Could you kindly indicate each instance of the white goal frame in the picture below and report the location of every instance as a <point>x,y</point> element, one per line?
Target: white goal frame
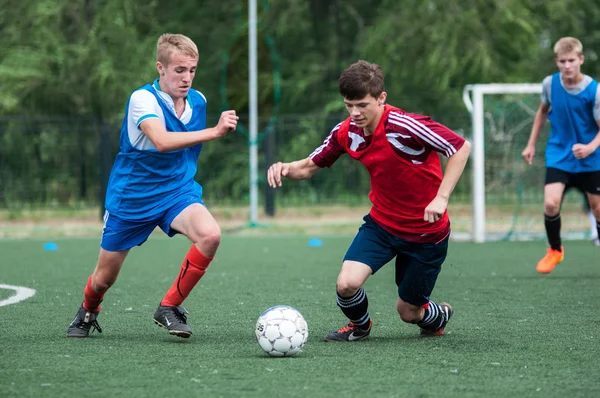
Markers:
<point>474,101</point>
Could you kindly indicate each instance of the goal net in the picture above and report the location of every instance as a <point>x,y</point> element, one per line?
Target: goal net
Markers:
<point>507,193</point>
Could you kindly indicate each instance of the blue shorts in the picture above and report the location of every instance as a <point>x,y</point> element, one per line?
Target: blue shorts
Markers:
<point>119,234</point>
<point>417,264</point>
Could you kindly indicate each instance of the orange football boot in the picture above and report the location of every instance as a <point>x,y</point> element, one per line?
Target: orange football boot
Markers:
<point>549,261</point>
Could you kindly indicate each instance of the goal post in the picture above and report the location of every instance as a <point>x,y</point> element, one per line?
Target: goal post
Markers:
<point>473,97</point>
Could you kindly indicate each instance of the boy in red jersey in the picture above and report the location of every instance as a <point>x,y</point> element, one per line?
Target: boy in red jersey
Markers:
<point>408,220</point>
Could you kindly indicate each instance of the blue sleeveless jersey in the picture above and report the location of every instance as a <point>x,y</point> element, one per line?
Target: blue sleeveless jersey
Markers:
<point>572,122</point>
<point>143,183</point>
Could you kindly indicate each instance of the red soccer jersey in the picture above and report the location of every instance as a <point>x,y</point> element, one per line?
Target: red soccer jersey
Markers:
<point>405,169</point>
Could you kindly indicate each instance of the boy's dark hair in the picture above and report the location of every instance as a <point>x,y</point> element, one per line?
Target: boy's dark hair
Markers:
<point>360,79</point>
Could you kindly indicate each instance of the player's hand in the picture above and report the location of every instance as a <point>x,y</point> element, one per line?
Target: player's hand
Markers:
<point>275,172</point>
<point>581,151</point>
<point>227,122</point>
<point>436,209</point>
<point>528,154</point>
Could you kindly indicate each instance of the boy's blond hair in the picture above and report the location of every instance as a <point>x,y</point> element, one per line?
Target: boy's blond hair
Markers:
<point>568,44</point>
<point>169,43</point>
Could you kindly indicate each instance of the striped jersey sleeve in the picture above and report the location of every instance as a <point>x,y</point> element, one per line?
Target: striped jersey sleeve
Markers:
<point>423,131</point>
<point>330,151</point>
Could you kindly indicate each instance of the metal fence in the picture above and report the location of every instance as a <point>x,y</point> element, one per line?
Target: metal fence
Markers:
<point>65,162</point>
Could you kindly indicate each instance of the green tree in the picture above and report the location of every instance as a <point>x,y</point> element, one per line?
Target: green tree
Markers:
<point>82,58</point>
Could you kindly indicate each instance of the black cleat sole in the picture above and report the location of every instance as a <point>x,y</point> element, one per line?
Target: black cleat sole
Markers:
<point>178,333</point>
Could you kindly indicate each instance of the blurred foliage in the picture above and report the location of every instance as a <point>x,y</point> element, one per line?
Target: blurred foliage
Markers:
<point>78,60</point>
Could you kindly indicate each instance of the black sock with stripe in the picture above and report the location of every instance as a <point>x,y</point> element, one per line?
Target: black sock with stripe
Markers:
<point>434,317</point>
<point>356,308</point>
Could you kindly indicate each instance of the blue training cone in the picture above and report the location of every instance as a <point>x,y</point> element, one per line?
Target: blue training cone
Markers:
<point>315,242</point>
<point>51,246</point>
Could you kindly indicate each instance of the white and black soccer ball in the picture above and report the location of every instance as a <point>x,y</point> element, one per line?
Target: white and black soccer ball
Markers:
<point>281,331</point>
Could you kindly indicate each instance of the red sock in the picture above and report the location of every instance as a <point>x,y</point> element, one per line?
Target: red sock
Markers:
<point>91,298</point>
<point>192,269</point>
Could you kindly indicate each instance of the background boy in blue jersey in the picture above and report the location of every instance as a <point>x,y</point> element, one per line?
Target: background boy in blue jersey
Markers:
<point>152,184</point>
<point>571,101</point>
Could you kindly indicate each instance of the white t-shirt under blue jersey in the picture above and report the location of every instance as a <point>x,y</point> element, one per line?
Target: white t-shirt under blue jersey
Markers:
<point>144,182</point>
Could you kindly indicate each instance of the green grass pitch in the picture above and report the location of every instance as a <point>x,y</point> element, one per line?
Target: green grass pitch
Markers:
<point>515,333</point>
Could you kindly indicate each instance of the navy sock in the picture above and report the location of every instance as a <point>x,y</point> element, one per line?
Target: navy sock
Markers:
<point>356,308</point>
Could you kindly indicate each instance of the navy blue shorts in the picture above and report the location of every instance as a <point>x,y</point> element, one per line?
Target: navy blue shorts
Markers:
<point>120,234</point>
<point>417,264</point>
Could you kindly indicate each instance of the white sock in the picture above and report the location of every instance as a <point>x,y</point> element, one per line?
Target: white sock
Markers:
<point>593,229</point>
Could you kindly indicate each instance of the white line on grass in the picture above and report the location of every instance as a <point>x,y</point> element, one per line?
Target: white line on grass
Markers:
<point>22,293</point>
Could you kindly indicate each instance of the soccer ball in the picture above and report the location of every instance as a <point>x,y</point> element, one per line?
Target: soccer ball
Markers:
<point>281,331</point>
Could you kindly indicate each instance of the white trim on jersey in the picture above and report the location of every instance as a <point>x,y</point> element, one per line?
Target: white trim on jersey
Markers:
<point>201,95</point>
<point>355,140</point>
<point>409,151</point>
<point>144,105</point>
<point>423,132</point>
<point>325,142</point>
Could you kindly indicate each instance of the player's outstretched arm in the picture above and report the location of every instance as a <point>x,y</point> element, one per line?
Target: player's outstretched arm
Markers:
<point>166,141</point>
<point>454,169</point>
<point>538,122</point>
<point>298,170</point>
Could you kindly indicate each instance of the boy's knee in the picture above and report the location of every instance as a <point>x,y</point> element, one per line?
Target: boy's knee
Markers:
<point>346,287</point>
<point>551,207</point>
<point>210,239</point>
<point>213,238</point>
<point>102,283</point>
<point>409,313</point>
